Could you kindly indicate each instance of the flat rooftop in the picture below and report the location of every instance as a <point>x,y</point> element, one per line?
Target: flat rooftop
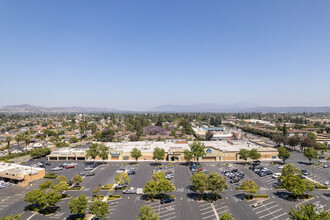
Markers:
<point>12,169</point>
<point>147,146</point>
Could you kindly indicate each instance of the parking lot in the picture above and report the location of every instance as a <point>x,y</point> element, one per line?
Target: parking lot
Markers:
<point>185,204</point>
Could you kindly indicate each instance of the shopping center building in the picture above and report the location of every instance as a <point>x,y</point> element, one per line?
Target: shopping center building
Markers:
<point>20,174</point>
<point>214,151</point>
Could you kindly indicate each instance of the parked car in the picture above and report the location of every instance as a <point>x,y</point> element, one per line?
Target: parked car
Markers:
<point>69,167</point>
<point>327,183</point>
<point>88,168</point>
<point>111,203</point>
<point>120,170</point>
<point>69,182</point>
<point>4,184</point>
<point>280,167</point>
<point>256,204</point>
<point>167,200</point>
<point>276,175</point>
<point>131,190</point>
<point>305,172</point>
<point>57,168</point>
<point>131,172</point>
<point>325,166</point>
<point>87,174</point>
<point>235,180</point>
<point>322,161</point>
<point>277,184</point>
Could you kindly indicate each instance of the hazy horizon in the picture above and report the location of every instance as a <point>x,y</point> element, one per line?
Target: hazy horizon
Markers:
<point>136,55</point>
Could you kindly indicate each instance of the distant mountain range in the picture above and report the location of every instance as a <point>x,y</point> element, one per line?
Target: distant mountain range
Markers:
<point>207,107</point>
<point>240,107</point>
<point>37,109</point>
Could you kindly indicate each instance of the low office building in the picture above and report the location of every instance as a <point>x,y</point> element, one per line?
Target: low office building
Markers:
<point>20,174</point>
<point>68,154</point>
<point>174,151</point>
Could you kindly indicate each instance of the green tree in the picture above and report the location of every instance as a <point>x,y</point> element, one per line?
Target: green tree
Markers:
<point>60,178</point>
<point>60,187</point>
<point>199,182</point>
<point>103,152</point>
<point>12,217</point>
<point>216,183</point>
<point>285,131</point>
<point>312,136</point>
<point>197,149</point>
<point>52,198</point>
<point>283,153</point>
<point>151,188</point>
<point>293,141</point>
<point>308,212</point>
<point>296,185</point>
<point>34,196</point>
<point>277,139</point>
<point>92,151</point>
<point>147,213</point>
<point>306,142</point>
<point>47,185</point>
<point>289,169</point>
<point>8,140</point>
<point>99,209</point>
<point>159,153</point>
<point>188,155</point>
<point>225,216</point>
<point>254,154</point>
<point>244,153</point>
<point>159,175</point>
<point>321,147</point>
<point>208,135</point>
<point>78,205</point>
<point>136,153</point>
<point>77,179</point>
<point>121,178</point>
<point>249,186</point>
<point>165,186</point>
<point>97,190</point>
<point>310,153</point>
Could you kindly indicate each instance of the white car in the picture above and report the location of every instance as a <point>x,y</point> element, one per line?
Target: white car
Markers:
<point>325,166</point>
<point>120,171</point>
<point>322,161</point>
<point>57,168</point>
<point>89,168</point>
<point>280,167</point>
<point>276,175</point>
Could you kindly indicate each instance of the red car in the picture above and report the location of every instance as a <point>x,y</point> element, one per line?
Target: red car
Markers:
<point>70,166</point>
<point>200,170</point>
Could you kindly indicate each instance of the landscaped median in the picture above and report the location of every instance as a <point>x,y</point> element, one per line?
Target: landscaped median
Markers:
<point>50,175</point>
<point>114,197</point>
<point>107,187</point>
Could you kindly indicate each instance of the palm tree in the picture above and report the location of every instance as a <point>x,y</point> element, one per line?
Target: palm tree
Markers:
<point>9,139</point>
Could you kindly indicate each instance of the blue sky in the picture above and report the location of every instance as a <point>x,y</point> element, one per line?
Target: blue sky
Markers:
<point>139,54</point>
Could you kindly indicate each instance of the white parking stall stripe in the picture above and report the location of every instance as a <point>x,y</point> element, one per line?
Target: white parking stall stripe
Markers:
<point>172,217</point>
<point>207,212</point>
<point>224,211</point>
<point>204,204</point>
<point>263,205</point>
<point>168,214</point>
<point>267,209</point>
<point>221,207</point>
<point>205,208</point>
<point>270,213</point>
<point>276,217</point>
<point>208,216</point>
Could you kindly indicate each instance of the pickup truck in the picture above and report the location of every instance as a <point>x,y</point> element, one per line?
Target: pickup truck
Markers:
<point>139,191</point>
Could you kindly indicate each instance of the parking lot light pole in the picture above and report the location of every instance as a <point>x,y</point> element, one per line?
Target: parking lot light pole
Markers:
<point>31,176</point>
